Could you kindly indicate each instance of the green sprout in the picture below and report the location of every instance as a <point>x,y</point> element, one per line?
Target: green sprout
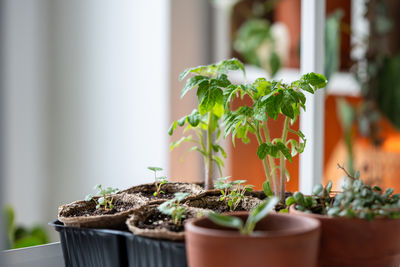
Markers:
<point>211,82</point>
<point>232,191</point>
<point>158,181</point>
<point>255,215</point>
<point>173,208</point>
<point>106,197</point>
<point>270,100</point>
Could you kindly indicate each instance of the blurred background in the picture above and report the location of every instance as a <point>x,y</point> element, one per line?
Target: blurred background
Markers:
<point>90,87</point>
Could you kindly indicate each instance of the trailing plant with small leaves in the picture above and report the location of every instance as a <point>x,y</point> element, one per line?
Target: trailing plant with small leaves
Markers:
<point>271,99</point>
<point>173,208</point>
<point>158,181</point>
<point>211,81</point>
<point>106,197</point>
<point>357,200</point>
<point>255,215</point>
<point>232,192</point>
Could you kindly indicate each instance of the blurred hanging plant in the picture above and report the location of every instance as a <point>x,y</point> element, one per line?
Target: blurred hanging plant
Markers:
<point>256,43</point>
<point>19,236</point>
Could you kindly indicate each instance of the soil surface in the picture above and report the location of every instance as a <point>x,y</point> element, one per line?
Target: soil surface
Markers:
<point>147,190</point>
<point>212,202</point>
<point>157,220</point>
<point>90,209</point>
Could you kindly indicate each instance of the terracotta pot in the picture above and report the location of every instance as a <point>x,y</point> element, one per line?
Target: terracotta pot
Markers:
<point>357,242</point>
<point>279,240</point>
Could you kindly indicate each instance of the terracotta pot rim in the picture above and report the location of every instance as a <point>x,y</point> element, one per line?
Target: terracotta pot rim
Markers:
<point>311,226</point>
<point>292,210</point>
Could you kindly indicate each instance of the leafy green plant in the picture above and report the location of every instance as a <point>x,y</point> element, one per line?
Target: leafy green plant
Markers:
<point>357,200</point>
<point>271,99</point>
<point>211,81</point>
<point>232,192</point>
<point>20,236</point>
<point>255,215</point>
<point>106,197</point>
<point>158,181</point>
<point>173,208</point>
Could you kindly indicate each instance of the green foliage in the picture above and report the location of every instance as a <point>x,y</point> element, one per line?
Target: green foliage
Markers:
<point>173,208</point>
<point>356,200</point>
<point>106,197</point>
<point>211,81</point>
<point>232,192</point>
<point>255,215</point>
<point>271,99</point>
<point>158,181</point>
<point>20,236</point>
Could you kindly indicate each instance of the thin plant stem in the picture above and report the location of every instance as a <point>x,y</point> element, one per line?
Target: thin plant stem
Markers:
<point>283,161</point>
<point>267,169</point>
<point>209,166</point>
<point>271,159</point>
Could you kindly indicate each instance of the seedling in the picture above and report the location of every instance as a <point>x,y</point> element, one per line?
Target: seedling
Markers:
<point>106,197</point>
<point>255,215</point>
<point>271,99</point>
<point>356,200</point>
<point>158,181</point>
<point>211,82</point>
<point>232,192</point>
<point>173,208</point>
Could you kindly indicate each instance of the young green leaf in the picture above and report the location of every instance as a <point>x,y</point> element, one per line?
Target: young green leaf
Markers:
<point>224,220</point>
<point>155,168</point>
<point>193,82</point>
<point>267,189</point>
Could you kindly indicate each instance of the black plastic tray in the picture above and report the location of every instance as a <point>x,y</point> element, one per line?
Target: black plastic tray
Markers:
<point>89,247</point>
<point>147,252</point>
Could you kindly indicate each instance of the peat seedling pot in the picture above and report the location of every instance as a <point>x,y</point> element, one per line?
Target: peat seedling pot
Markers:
<point>279,240</point>
<point>146,191</point>
<point>351,242</point>
<point>91,247</point>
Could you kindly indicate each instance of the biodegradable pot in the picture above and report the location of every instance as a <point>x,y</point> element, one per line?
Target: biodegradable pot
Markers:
<point>140,215</point>
<point>91,247</point>
<point>279,240</point>
<point>211,200</point>
<point>146,191</point>
<point>351,242</point>
<point>79,213</point>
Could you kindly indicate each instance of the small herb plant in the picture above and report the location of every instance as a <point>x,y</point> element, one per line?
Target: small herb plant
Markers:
<point>255,215</point>
<point>211,81</point>
<point>106,197</point>
<point>271,99</point>
<point>158,181</point>
<point>357,200</point>
<point>173,208</point>
<point>232,192</point>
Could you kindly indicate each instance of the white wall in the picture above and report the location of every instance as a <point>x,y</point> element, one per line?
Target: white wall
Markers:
<point>86,98</point>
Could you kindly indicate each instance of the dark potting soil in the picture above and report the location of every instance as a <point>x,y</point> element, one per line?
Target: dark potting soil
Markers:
<point>90,209</point>
<point>212,202</point>
<point>157,220</point>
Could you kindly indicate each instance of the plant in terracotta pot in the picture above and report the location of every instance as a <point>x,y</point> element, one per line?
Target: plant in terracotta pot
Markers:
<point>360,226</point>
<point>271,99</point>
<point>251,239</point>
<point>211,81</point>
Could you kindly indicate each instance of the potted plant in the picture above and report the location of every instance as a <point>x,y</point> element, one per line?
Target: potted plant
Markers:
<point>270,100</point>
<point>251,239</point>
<point>211,82</point>
<point>360,226</point>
